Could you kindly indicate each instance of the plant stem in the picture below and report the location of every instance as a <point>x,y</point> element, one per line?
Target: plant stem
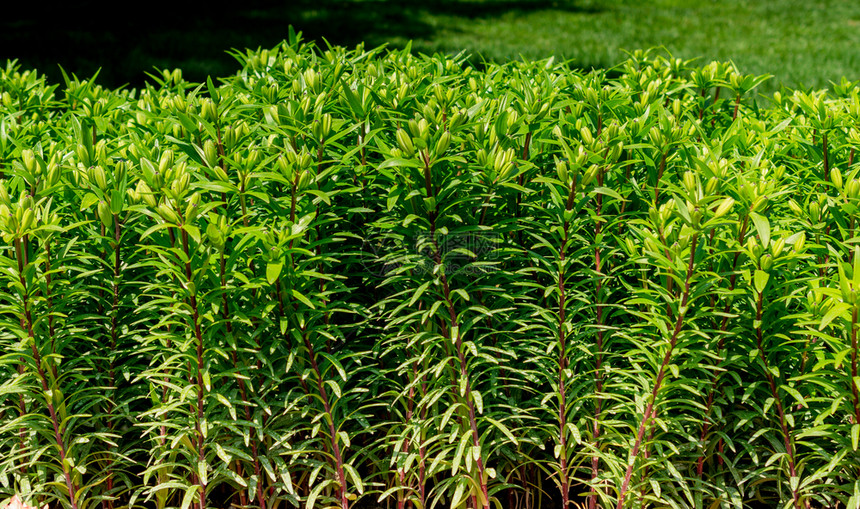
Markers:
<point>854,392</point>
<point>456,337</point>
<point>201,388</point>
<point>598,364</point>
<point>43,377</point>
<point>344,501</point>
<point>661,373</point>
<point>562,357</point>
<point>225,313</point>
<point>786,432</point>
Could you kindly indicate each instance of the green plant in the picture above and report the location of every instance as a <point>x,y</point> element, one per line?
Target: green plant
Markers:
<point>342,278</point>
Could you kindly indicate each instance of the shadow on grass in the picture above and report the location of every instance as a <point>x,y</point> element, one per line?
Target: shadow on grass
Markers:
<point>90,34</point>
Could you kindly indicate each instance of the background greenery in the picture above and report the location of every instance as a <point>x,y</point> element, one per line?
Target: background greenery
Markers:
<point>802,43</point>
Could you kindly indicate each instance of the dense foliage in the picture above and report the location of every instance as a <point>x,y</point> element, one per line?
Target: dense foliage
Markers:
<point>349,277</point>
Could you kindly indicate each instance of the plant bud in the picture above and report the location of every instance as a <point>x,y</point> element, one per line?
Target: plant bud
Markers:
<point>305,160</point>
<point>590,175</point>
<point>145,193</point>
<point>208,111</point>
<point>676,108</point>
<point>712,187</point>
<point>800,242</point>
<point>326,125</point>
<point>96,175</point>
<point>587,138</point>
<point>423,129</point>
<point>795,208</point>
<point>615,153</point>
<point>777,247</point>
<point>458,118</point>
<point>836,178</point>
<point>104,214</point>
<point>166,161</point>
<point>779,171</point>
<point>101,150</point>
<point>83,154</point>
<point>192,209</point>
<point>766,262</point>
<point>285,167</point>
<point>696,217</point>
<point>167,213</point>
<point>581,156</point>
<point>443,143</point>
<point>117,202</point>
<point>814,211</point>
<point>216,238</point>
<point>724,207</point>
<point>304,180</point>
<point>404,141</point>
<point>853,190</point>
<point>29,160</point>
<point>210,153</point>
<point>561,171</point>
<point>27,219</point>
<point>690,183</point>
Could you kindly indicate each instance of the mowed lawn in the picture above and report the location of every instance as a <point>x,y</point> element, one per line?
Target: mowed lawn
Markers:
<point>805,43</point>
<point>801,43</point>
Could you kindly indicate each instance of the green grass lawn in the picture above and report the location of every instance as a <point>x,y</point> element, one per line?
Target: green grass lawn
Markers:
<point>802,43</point>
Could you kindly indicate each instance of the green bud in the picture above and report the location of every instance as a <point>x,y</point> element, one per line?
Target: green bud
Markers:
<point>192,209</point>
<point>724,207</point>
<point>216,238</point>
<point>587,138</point>
<point>815,211</point>
<point>167,213</point>
<point>800,242</point>
<point>561,171</point>
<point>166,161</point>
<point>145,193</point>
<point>690,183</point>
<point>210,153</point>
<point>590,175</point>
<point>208,110</point>
<point>27,219</point>
<point>696,217</point>
<point>443,143</point>
<point>853,189</point>
<point>795,208</point>
<point>836,178</point>
<point>304,180</point>
<point>712,187</point>
<point>285,167</point>
<point>29,160</point>
<point>96,175</point>
<point>777,247</point>
<point>104,214</point>
<point>404,141</point>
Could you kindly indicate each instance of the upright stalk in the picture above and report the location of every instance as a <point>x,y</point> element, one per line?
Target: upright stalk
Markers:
<point>661,373</point>
<point>854,393</point>
<point>598,365</point>
<point>243,392</point>
<point>454,331</point>
<point>786,431</point>
<point>43,377</point>
<point>562,355</point>
<point>201,388</point>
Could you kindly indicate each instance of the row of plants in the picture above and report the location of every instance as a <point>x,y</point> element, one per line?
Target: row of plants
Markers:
<point>351,277</point>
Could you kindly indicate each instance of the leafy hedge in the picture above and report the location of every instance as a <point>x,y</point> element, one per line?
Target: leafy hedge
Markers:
<point>349,277</point>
